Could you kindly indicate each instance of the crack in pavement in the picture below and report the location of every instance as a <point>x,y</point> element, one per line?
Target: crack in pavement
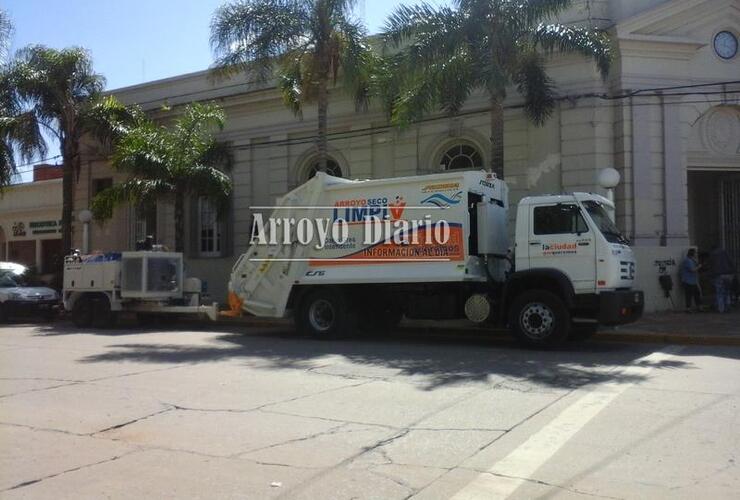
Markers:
<point>133,421</point>
<point>265,405</point>
<point>327,432</point>
<point>38,389</point>
<point>31,482</point>
<point>545,483</point>
<point>380,443</point>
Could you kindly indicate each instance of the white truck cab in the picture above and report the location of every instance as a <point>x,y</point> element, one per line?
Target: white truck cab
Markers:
<point>574,233</point>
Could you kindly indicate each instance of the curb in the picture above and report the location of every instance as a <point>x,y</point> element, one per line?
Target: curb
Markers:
<point>617,337</point>
<point>668,338</point>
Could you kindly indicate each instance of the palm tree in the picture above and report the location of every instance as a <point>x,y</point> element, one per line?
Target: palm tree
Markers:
<point>484,44</point>
<point>19,132</point>
<point>60,92</point>
<point>178,161</point>
<point>311,43</point>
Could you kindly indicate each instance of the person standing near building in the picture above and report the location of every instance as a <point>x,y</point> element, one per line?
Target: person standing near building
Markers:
<point>690,280</point>
<point>721,272</point>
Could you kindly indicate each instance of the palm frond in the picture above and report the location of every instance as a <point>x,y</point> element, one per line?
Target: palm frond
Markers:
<point>292,86</point>
<point>135,191</point>
<point>250,34</point>
<point>573,39</point>
<point>536,86</point>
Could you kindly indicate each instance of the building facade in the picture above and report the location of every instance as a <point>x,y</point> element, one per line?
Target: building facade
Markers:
<point>667,118</point>
<point>30,221</point>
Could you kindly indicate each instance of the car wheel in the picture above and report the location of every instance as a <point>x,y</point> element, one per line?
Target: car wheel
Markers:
<point>539,318</point>
<point>82,312</point>
<point>582,331</point>
<point>325,314</point>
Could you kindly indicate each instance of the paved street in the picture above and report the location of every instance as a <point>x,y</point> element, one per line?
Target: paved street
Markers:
<point>229,414</point>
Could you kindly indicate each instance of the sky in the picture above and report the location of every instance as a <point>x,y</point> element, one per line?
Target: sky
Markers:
<point>135,41</point>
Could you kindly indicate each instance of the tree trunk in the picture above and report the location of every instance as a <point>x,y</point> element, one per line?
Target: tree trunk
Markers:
<point>71,159</point>
<point>323,104</point>
<point>180,222</point>
<point>497,136</point>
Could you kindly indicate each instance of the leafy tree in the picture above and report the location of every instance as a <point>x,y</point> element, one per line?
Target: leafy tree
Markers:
<point>59,91</point>
<point>449,52</point>
<point>311,44</point>
<point>175,161</point>
<point>18,131</point>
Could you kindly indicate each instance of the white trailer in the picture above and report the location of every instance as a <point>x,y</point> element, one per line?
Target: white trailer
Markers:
<point>98,287</point>
<point>569,271</point>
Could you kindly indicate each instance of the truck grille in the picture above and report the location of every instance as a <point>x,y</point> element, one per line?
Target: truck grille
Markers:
<point>627,270</point>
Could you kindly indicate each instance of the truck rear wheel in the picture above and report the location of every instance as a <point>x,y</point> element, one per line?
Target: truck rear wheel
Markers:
<point>539,318</point>
<point>82,312</point>
<point>325,314</point>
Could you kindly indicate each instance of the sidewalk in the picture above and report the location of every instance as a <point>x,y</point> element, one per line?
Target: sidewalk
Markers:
<point>707,328</point>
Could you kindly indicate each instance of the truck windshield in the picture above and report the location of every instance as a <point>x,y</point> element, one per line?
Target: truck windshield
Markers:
<point>605,224</point>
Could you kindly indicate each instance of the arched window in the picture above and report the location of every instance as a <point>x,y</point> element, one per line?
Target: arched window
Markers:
<point>461,157</point>
<point>332,168</point>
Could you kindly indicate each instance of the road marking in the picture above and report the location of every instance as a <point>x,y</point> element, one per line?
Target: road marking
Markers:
<point>512,471</point>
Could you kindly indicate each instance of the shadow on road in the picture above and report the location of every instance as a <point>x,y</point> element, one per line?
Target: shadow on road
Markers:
<point>435,362</point>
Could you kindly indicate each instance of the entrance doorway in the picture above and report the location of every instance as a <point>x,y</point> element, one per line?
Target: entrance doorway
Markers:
<point>51,256</point>
<point>714,211</point>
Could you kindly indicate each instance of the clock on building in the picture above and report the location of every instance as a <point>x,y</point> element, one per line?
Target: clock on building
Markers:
<point>725,44</point>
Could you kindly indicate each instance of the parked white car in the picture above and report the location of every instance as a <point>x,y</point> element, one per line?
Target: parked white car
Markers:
<point>17,299</point>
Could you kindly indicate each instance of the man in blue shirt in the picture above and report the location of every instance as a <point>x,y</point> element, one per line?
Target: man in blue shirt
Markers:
<point>722,272</point>
<point>690,280</point>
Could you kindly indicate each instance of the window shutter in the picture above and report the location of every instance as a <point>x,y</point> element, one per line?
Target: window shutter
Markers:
<point>227,230</point>
<point>192,245</point>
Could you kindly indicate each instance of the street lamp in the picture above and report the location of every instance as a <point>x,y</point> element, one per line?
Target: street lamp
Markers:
<point>608,179</point>
<point>85,216</point>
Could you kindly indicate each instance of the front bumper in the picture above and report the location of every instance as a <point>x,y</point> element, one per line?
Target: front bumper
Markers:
<point>31,308</point>
<point>621,306</point>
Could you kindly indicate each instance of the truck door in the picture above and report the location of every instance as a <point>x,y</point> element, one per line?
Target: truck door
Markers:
<point>560,238</point>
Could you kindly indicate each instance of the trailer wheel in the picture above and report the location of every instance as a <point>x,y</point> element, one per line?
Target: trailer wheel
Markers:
<point>325,314</point>
<point>82,312</point>
<point>102,316</point>
<point>582,331</point>
<point>539,318</point>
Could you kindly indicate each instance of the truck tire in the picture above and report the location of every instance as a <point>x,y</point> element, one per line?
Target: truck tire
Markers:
<point>102,316</point>
<point>325,314</point>
<point>539,318</point>
<point>82,312</point>
<point>582,331</point>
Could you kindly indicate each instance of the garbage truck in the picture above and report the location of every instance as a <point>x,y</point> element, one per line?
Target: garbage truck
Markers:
<point>339,254</point>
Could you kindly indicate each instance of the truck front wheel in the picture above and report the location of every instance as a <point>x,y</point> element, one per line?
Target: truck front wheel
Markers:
<point>325,314</point>
<point>539,318</point>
